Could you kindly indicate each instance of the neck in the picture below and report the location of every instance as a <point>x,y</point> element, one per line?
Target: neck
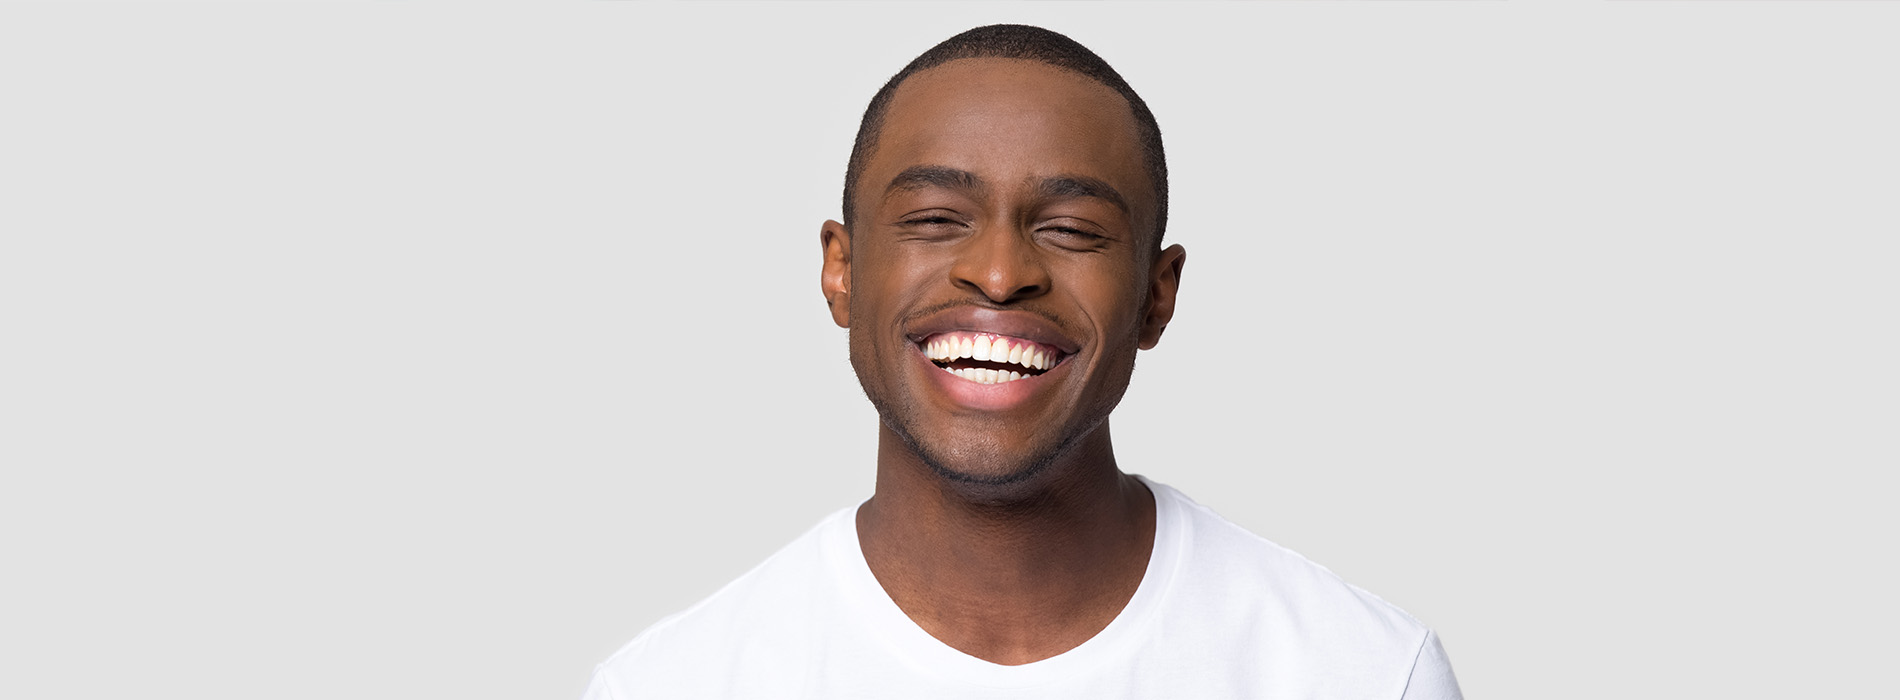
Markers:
<point>1015,573</point>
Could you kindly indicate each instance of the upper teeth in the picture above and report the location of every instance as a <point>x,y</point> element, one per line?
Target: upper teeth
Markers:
<point>993,348</point>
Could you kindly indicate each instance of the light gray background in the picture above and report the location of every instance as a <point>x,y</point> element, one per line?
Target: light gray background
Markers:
<point>426,351</point>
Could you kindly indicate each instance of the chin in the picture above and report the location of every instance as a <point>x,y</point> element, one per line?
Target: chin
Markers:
<point>968,458</point>
<point>994,477</point>
<point>986,472</point>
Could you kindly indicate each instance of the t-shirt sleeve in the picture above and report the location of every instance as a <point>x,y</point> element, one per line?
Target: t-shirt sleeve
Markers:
<point>1431,674</point>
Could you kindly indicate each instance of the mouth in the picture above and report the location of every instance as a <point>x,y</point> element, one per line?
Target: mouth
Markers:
<point>989,358</point>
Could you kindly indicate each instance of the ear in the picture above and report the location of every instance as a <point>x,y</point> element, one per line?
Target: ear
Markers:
<point>1164,282</point>
<point>835,277</point>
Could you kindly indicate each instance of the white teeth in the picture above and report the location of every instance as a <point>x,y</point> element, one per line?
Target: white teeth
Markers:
<point>985,347</point>
<point>987,376</point>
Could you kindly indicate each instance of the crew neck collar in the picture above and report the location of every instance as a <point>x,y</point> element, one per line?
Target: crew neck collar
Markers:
<point>873,608</point>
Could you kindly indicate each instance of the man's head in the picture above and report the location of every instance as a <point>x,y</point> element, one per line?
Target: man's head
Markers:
<point>1024,43</point>
<point>1001,265</point>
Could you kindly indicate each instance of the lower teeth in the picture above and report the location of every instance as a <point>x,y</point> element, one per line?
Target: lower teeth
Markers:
<point>986,376</point>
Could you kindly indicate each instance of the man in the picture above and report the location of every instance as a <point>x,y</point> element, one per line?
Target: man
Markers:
<point>999,265</point>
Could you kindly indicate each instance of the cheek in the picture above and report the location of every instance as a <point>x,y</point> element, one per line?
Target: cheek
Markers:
<point>891,286</point>
<point>1110,294</point>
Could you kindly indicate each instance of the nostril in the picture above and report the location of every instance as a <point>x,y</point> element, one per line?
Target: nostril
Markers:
<point>1000,269</point>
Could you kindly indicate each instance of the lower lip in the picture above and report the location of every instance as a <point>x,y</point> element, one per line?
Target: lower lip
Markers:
<point>1000,396</point>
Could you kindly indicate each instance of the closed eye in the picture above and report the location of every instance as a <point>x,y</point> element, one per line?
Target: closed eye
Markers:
<point>932,227</point>
<point>1075,239</point>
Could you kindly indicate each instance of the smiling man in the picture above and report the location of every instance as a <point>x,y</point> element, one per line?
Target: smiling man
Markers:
<point>999,266</point>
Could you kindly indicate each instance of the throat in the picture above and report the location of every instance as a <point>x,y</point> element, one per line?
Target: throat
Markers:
<point>1012,598</point>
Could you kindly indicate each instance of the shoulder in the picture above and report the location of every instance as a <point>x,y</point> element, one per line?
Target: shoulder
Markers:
<point>1274,598</point>
<point>768,607</point>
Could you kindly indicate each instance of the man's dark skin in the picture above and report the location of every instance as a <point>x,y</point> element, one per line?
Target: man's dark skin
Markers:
<point>1005,196</point>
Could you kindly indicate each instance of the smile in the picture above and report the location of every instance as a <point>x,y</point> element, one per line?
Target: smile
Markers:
<point>987,358</point>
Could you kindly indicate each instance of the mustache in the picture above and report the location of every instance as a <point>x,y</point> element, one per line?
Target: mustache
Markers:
<point>980,304</point>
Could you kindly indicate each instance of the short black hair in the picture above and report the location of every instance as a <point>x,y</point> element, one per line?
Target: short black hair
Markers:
<point>1024,42</point>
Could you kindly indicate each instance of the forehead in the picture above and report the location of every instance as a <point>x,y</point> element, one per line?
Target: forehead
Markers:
<point>1010,121</point>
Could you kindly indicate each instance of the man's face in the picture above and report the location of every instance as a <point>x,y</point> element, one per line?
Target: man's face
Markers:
<point>1002,272</point>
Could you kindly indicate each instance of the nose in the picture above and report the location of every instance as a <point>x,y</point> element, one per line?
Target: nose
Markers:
<point>1002,264</point>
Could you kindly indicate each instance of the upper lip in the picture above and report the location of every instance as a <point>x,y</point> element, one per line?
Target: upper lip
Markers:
<point>977,319</point>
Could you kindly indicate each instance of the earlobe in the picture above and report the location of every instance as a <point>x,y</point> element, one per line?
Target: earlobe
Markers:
<point>1164,285</point>
<point>834,277</point>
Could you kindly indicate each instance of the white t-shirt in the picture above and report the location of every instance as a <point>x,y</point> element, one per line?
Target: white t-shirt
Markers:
<point>1220,613</point>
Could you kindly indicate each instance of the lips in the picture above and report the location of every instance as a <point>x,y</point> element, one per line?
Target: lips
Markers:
<point>988,358</point>
<point>987,346</point>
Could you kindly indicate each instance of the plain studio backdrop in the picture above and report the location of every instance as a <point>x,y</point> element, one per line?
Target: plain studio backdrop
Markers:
<point>434,351</point>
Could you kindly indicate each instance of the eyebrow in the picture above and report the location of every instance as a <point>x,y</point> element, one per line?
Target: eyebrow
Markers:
<point>1075,186</point>
<point>919,177</point>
